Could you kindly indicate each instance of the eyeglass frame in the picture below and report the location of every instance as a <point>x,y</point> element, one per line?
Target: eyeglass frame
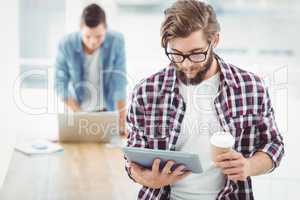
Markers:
<point>188,55</point>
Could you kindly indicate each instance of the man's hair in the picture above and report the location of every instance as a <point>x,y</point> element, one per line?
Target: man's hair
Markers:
<point>93,15</point>
<point>186,16</point>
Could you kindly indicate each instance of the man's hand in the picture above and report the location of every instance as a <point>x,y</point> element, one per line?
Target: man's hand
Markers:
<point>155,178</point>
<point>121,106</point>
<point>122,126</point>
<point>73,104</point>
<point>234,165</point>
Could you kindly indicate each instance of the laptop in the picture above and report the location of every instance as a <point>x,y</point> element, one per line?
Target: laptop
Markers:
<point>88,127</point>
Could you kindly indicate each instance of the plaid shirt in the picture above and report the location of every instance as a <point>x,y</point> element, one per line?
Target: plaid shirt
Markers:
<point>243,107</point>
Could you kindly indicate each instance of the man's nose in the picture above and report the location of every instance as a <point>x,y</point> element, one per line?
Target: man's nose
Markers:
<point>94,41</point>
<point>186,63</point>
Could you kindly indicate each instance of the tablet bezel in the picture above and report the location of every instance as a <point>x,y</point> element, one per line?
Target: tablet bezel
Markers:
<point>145,158</point>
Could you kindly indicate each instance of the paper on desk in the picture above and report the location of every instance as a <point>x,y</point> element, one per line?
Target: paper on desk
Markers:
<point>32,147</point>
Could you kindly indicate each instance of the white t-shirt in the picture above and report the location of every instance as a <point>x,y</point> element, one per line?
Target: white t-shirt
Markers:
<point>93,83</point>
<point>199,123</point>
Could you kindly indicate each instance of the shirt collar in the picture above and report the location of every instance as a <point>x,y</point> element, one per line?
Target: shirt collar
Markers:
<point>171,83</point>
<point>226,72</point>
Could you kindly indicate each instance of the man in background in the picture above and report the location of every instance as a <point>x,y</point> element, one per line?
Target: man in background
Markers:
<point>90,67</point>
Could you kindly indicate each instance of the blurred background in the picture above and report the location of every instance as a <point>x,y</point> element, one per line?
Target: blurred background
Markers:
<point>261,36</point>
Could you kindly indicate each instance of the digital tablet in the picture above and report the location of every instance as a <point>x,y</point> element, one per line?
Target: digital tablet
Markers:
<point>145,158</point>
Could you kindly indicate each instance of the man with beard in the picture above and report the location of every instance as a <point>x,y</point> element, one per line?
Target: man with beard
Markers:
<point>198,94</point>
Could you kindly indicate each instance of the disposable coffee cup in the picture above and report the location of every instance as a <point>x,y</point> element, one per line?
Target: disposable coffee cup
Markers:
<point>221,142</point>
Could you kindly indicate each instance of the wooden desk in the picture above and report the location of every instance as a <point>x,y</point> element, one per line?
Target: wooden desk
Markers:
<point>81,172</point>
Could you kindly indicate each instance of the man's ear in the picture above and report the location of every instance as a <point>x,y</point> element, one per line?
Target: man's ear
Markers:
<point>216,40</point>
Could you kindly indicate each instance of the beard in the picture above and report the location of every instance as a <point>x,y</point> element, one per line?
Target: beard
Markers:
<point>200,75</point>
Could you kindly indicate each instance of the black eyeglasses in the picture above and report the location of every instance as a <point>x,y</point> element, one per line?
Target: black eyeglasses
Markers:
<point>193,57</point>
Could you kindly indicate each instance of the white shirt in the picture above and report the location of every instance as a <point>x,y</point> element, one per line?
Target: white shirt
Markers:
<point>93,83</point>
<point>199,123</point>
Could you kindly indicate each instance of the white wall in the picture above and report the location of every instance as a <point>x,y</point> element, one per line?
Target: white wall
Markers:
<point>9,65</point>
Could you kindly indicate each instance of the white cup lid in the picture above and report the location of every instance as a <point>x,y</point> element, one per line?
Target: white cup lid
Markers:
<point>222,139</point>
